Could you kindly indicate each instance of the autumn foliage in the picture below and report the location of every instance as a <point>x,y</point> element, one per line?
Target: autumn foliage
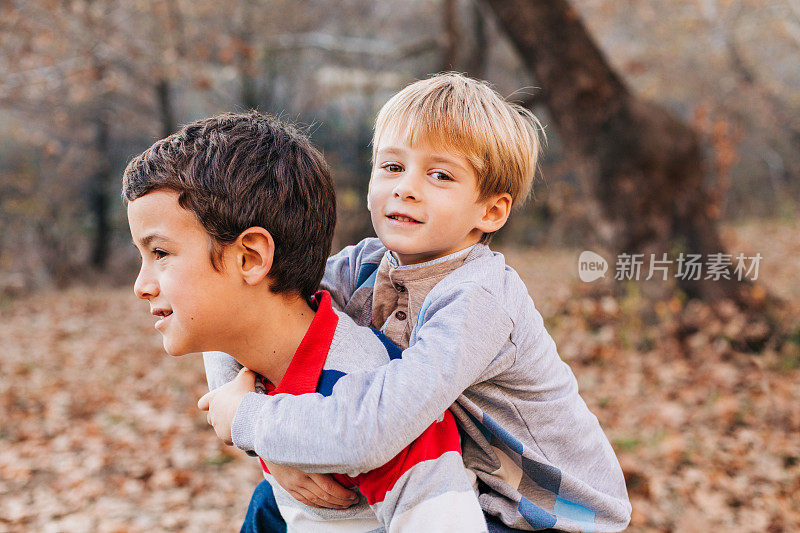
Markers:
<point>100,431</point>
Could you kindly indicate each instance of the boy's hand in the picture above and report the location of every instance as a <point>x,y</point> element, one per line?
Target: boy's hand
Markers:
<point>316,490</point>
<point>223,402</point>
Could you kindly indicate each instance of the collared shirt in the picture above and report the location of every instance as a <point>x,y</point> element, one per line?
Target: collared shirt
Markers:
<point>400,291</point>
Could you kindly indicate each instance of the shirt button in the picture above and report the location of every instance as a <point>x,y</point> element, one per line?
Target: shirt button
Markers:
<point>400,288</point>
<point>400,315</point>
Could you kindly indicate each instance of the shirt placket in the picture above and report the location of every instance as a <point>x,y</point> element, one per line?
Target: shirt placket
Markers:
<point>397,322</point>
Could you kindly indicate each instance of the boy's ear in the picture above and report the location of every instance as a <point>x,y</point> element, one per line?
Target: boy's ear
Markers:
<point>495,214</point>
<point>255,252</point>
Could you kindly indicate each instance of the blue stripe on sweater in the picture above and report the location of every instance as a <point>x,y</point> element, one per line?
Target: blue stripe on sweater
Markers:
<point>366,275</point>
<point>537,517</point>
<point>421,316</point>
<point>394,351</point>
<point>546,476</point>
<point>575,511</point>
<point>327,379</point>
<point>483,429</point>
<point>507,438</point>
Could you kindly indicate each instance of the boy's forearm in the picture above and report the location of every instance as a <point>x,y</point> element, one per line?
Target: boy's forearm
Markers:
<point>372,415</point>
<point>282,431</point>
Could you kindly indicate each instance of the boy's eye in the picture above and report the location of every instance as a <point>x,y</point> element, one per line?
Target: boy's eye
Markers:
<point>441,176</point>
<point>159,253</point>
<point>392,167</point>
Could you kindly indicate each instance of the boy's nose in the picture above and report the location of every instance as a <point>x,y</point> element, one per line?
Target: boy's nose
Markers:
<point>406,187</point>
<point>145,286</point>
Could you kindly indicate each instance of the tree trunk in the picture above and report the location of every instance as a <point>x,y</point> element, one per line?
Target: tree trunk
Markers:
<point>641,167</point>
<point>165,110</point>
<point>98,196</point>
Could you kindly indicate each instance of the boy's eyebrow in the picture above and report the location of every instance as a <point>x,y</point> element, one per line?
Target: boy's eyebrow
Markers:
<point>150,237</point>
<point>392,150</point>
<point>445,159</point>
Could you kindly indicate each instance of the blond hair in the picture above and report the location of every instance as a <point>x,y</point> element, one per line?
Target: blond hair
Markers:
<point>501,140</point>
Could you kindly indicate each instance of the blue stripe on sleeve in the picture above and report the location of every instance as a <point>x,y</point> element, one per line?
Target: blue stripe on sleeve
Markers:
<point>482,428</point>
<point>546,476</point>
<point>422,310</point>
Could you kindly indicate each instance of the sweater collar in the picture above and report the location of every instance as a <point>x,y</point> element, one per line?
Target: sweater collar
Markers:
<point>306,366</point>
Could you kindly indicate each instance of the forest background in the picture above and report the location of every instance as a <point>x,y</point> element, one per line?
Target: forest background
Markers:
<point>673,128</point>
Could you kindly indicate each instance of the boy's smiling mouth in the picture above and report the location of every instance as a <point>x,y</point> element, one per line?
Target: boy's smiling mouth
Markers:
<point>163,313</point>
<point>399,217</point>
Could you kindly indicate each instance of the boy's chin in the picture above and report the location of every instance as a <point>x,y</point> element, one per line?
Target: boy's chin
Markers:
<point>175,351</point>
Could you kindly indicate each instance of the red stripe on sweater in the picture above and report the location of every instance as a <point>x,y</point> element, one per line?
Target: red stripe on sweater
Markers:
<point>438,439</point>
<point>302,376</point>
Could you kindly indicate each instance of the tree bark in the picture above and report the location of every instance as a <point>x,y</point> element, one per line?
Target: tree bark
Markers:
<point>641,167</point>
<point>98,197</point>
<point>165,110</point>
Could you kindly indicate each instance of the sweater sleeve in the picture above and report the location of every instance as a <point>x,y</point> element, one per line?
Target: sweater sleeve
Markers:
<point>425,487</point>
<point>337,279</point>
<point>343,269</point>
<point>373,414</point>
<point>220,368</point>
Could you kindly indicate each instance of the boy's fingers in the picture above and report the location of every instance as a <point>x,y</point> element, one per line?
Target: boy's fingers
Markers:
<point>247,376</point>
<point>308,498</point>
<point>204,402</point>
<point>299,497</point>
<point>332,491</point>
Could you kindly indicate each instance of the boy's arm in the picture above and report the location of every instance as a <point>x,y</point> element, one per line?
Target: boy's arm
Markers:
<point>372,415</point>
<point>220,368</point>
<point>337,279</point>
<point>425,487</point>
<point>342,270</point>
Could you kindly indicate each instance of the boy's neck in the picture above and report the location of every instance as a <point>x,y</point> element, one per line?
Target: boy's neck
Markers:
<point>272,329</point>
<point>399,259</point>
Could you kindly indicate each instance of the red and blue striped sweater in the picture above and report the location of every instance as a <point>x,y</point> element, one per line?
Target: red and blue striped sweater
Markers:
<point>423,488</point>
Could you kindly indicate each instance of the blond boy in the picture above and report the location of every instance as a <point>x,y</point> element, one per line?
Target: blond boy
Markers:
<point>451,157</point>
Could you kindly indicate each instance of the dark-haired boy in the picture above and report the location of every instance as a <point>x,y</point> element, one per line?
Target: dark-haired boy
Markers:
<point>233,217</point>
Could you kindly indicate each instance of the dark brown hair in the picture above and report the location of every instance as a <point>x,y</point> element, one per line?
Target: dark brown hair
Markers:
<point>236,171</point>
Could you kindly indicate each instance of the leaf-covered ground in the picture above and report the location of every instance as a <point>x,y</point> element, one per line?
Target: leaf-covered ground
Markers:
<point>99,429</point>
